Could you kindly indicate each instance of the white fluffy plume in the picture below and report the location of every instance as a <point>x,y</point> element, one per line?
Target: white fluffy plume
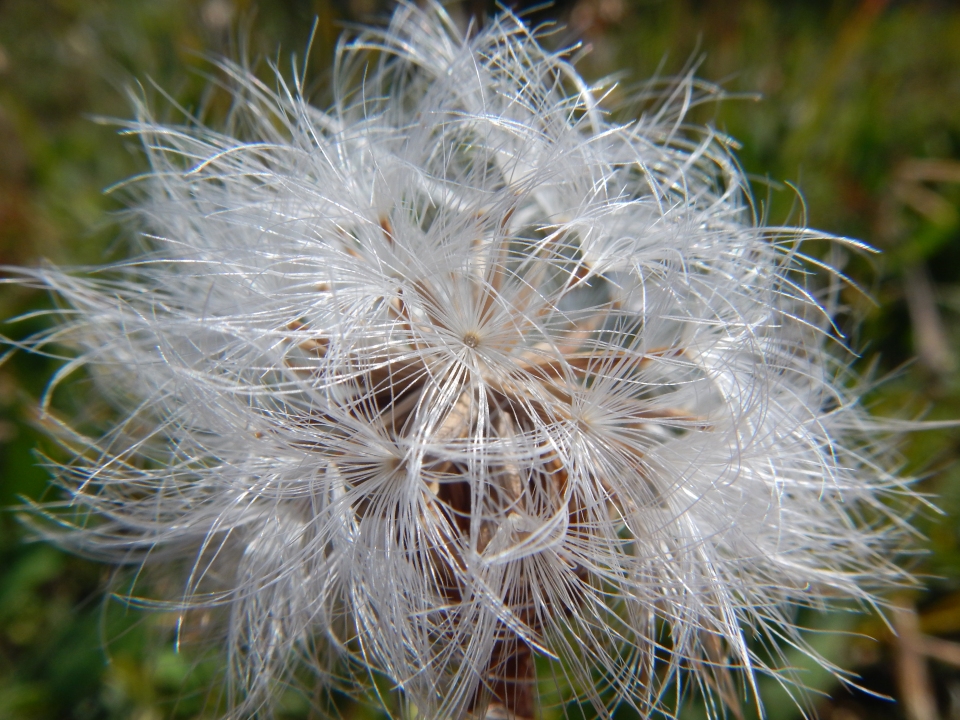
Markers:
<point>462,384</point>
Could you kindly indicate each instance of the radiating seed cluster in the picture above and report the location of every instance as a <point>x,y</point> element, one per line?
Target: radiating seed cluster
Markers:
<point>468,385</point>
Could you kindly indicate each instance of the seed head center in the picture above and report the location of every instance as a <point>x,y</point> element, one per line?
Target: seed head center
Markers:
<point>471,339</point>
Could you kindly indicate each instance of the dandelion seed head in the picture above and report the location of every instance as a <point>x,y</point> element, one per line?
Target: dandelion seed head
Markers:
<point>466,384</point>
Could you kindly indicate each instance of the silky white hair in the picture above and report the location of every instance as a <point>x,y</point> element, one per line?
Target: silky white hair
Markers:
<point>464,384</point>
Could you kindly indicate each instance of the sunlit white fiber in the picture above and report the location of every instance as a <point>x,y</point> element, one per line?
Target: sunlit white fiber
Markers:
<point>465,384</point>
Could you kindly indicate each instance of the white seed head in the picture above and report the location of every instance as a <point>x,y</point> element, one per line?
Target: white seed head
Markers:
<point>464,384</point>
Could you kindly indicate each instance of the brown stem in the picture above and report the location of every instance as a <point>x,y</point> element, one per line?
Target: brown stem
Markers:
<point>512,682</point>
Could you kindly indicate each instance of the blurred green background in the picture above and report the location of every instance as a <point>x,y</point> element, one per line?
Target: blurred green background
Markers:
<point>856,102</point>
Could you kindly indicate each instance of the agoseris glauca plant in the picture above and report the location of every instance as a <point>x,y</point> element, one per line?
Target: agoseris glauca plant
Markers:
<point>464,383</point>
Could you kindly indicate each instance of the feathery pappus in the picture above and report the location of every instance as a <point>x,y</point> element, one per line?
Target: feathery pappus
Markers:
<point>466,384</point>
